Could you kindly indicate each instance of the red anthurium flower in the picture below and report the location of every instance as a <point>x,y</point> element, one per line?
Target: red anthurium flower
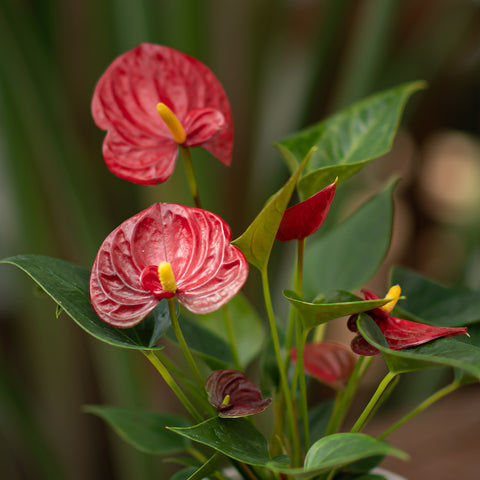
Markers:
<point>167,250</point>
<point>233,394</point>
<point>306,217</point>
<point>152,99</point>
<point>398,332</point>
<point>330,362</point>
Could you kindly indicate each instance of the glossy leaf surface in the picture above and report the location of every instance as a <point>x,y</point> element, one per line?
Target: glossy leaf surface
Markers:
<point>144,430</point>
<point>350,139</point>
<point>257,241</point>
<point>125,283</point>
<point>348,255</point>
<point>434,303</point>
<point>338,450</point>
<point>236,438</point>
<point>234,395</point>
<point>340,304</point>
<point>138,146</point>
<point>442,352</point>
<point>67,285</point>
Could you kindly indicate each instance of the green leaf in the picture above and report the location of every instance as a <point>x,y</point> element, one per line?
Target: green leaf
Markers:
<point>338,450</point>
<point>442,352</point>
<point>248,327</point>
<point>435,304</point>
<point>208,467</point>
<point>236,438</point>
<point>210,346</point>
<point>184,474</point>
<point>316,313</point>
<point>146,431</point>
<point>257,241</point>
<point>349,254</point>
<point>349,139</point>
<point>67,285</point>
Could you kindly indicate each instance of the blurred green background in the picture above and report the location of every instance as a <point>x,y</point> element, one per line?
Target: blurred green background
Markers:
<point>284,65</point>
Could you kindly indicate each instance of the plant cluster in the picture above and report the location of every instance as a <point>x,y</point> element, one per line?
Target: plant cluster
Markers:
<point>173,272</point>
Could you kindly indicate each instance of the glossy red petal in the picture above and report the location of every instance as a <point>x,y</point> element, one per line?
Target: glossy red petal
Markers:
<point>139,147</point>
<point>233,394</point>
<point>330,362</point>
<point>209,271</point>
<point>306,217</point>
<point>400,333</point>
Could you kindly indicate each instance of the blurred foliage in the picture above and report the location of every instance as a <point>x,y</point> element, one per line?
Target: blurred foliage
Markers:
<point>284,64</point>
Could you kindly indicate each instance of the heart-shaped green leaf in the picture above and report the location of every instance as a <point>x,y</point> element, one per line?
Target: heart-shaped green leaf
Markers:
<point>338,450</point>
<point>67,285</point>
<point>257,241</point>
<point>316,313</point>
<point>236,438</point>
<point>442,352</point>
<point>248,327</point>
<point>349,254</point>
<point>146,431</point>
<point>435,304</point>
<point>349,139</point>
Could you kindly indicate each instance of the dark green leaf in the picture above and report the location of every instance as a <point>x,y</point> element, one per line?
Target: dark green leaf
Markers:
<point>208,467</point>
<point>67,285</point>
<point>257,241</point>
<point>248,328</point>
<point>338,450</point>
<point>316,313</point>
<point>349,139</point>
<point>184,474</point>
<point>350,254</point>
<point>236,438</point>
<point>210,346</point>
<point>146,431</point>
<point>435,304</point>
<point>441,352</point>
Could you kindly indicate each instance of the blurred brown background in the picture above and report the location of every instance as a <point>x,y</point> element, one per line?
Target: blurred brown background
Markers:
<point>284,64</point>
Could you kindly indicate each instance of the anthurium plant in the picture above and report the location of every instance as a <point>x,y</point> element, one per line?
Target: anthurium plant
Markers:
<point>172,274</point>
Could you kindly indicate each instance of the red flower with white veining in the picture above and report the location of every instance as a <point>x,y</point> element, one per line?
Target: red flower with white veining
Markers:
<point>398,332</point>
<point>330,362</point>
<point>233,394</point>
<point>166,250</point>
<point>152,99</point>
<point>305,218</point>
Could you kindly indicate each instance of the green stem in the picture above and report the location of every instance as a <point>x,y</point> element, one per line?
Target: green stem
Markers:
<point>282,371</point>
<point>345,398</point>
<point>183,344</point>
<point>373,401</point>
<point>425,404</point>
<point>192,183</point>
<point>201,458</point>
<point>231,337</point>
<point>173,385</point>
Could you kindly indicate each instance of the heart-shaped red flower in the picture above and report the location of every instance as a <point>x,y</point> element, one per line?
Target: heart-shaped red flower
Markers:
<point>398,332</point>
<point>139,146</point>
<point>166,250</point>
<point>305,218</point>
<point>233,394</point>
<point>330,362</point>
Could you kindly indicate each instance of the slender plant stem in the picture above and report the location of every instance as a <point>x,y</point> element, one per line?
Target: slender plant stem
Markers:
<point>192,183</point>
<point>420,408</point>
<point>201,458</point>
<point>301,337</point>
<point>183,344</point>
<point>172,384</point>
<point>373,401</point>
<point>282,371</point>
<point>344,399</point>
<point>231,337</point>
